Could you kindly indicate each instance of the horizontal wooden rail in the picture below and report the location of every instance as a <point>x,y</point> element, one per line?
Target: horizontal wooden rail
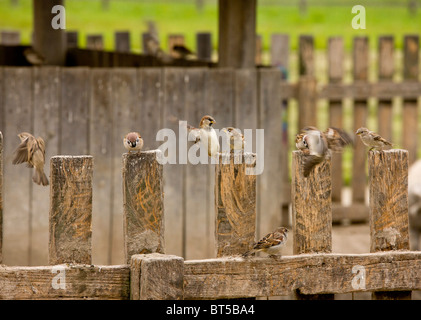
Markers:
<point>236,277</point>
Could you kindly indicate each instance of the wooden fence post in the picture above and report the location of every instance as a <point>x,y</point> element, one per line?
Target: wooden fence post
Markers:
<point>1,197</point>
<point>311,211</point>
<point>122,41</point>
<point>204,46</point>
<point>143,203</point>
<point>389,222</point>
<point>156,276</point>
<point>70,209</point>
<point>410,106</point>
<point>235,202</point>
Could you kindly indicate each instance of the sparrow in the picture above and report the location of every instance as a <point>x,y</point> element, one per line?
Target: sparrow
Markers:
<point>133,142</point>
<point>317,145</point>
<point>206,134</point>
<point>271,244</point>
<point>182,51</point>
<point>32,151</point>
<point>235,137</point>
<point>372,139</point>
<point>33,57</point>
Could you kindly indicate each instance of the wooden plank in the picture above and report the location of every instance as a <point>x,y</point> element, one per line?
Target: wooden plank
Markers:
<point>75,111</point>
<point>18,107</point>
<point>156,277</point>
<point>126,118</point>
<point>46,100</point>
<point>10,38</point>
<point>70,221</point>
<point>174,184</point>
<point>279,50</point>
<point>410,106</point>
<point>95,42</point>
<point>65,282</point>
<point>389,222</point>
<point>199,220</point>
<point>235,201</point>
<point>386,72</point>
<point>259,49</point>
<point>360,58</point>
<point>175,39</point>
<point>321,273</point>
<point>72,38</point>
<point>101,137</point>
<point>237,33</point>
<point>273,184</point>
<point>143,202</point>
<point>335,73</point>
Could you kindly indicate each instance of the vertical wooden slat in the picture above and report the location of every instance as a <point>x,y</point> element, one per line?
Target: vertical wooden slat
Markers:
<point>235,201</point>
<point>175,39</point>
<point>174,186</point>
<point>335,72</point>
<point>307,101</point>
<point>101,137</point>
<point>410,106</point>
<point>46,99</point>
<point>204,46</point>
<point>122,41</point>
<point>272,190</point>
<point>70,210</point>
<point>361,62</point>
<point>75,111</point>
<point>95,42</point>
<point>18,108</point>
<point>143,203</point>
<point>127,113</point>
<point>389,222</point>
<point>259,49</point>
<point>279,50</point>
<point>311,210</point>
<point>199,227</point>
<point>386,71</point>
<point>72,39</point>
<point>306,55</point>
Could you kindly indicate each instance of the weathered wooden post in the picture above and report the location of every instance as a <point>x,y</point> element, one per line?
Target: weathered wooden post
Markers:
<point>235,202</point>
<point>389,221</point>
<point>122,41</point>
<point>1,197</point>
<point>311,211</point>
<point>143,203</point>
<point>70,209</point>
<point>156,276</point>
<point>204,46</point>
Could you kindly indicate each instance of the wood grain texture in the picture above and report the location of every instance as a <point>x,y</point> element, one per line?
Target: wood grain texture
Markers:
<point>143,203</point>
<point>1,197</point>
<point>311,206</point>
<point>235,201</point>
<point>323,273</point>
<point>388,175</point>
<point>156,277</point>
<point>70,209</point>
<point>80,281</point>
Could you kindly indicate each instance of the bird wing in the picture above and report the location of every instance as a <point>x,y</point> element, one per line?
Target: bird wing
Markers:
<point>376,137</point>
<point>20,155</point>
<point>270,240</point>
<point>337,139</point>
<point>309,162</point>
<point>194,133</point>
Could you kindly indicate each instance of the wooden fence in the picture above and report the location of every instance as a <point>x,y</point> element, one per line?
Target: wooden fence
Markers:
<point>313,272</point>
<point>88,111</point>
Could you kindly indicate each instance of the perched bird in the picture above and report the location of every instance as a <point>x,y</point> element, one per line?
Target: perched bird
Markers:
<point>32,151</point>
<point>133,142</point>
<point>33,57</point>
<point>271,244</point>
<point>206,134</point>
<point>372,139</point>
<point>182,51</point>
<point>235,137</point>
